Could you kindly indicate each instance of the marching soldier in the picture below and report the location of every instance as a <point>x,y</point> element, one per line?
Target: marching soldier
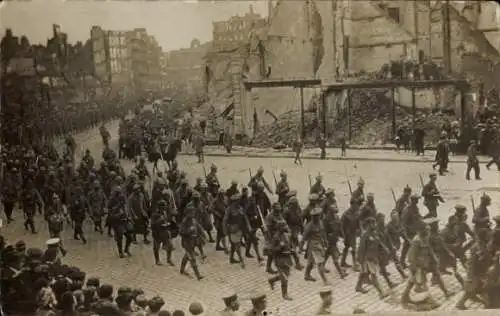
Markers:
<point>481,217</point>
<point>411,222</point>
<point>333,230</point>
<point>313,204</point>
<point>197,186</point>
<point>173,175</point>
<point>218,209</point>
<point>97,204</point>
<point>78,210</point>
<point>56,217</point>
<point>29,202</point>
<point>297,149</point>
<point>259,305</point>
<point>403,200</point>
<point>387,251</point>
<point>138,211</point>
<point>282,188</point>
<point>206,200</point>
<point>236,225</point>
<point>367,210</point>
<point>256,220</point>
<point>358,195</point>
<point>368,257</point>
<point>431,196</point>
<point>293,217</point>
<point>472,162</point>
<point>191,232</point>
<point>120,221</point>
<point>442,153</point>
<point>351,229</point>
<point>463,230</point>
<point>326,301</point>
<point>162,239</point>
<point>213,181</point>
<point>233,189</point>
<point>477,269</point>
<point>281,249</point>
<point>259,183</point>
<point>317,187</point>
<point>105,135</point>
<point>315,237</point>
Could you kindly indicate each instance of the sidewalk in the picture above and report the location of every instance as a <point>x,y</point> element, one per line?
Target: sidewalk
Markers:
<point>331,154</point>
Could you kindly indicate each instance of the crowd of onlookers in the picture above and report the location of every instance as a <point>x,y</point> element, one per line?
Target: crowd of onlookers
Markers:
<point>36,282</point>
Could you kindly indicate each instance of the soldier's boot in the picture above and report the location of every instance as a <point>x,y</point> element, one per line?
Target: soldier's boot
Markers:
<point>343,261</point>
<point>359,284</point>
<point>219,238</point>
<point>461,302</point>
<point>134,238</point>
<point>272,281</point>
<point>202,253</point>
<point>322,273</point>
<point>382,294</point>
<point>388,280</point>
<point>307,273</point>
<point>401,271</point>
<point>32,226</point>
<point>75,234</point>
<point>197,273</point>
<point>240,257</point>
<point>145,239</point>
<point>405,297</point>
<point>248,246</point>
<point>26,224</point>
<point>269,265</point>
<point>82,237</point>
<point>169,258</point>
<point>210,237</point>
<point>296,258</point>
<point>342,272</point>
<point>110,231</point>
<point>284,290</point>
<point>442,286</point>
<point>184,262</point>
<point>459,278</point>
<point>156,254</point>
<point>127,247</point>
<point>119,245</point>
<point>355,263</point>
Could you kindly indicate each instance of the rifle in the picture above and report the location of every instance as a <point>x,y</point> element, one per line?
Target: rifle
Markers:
<point>275,182</point>
<point>472,202</point>
<point>421,181</point>
<point>393,196</point>
<point>310,181</point>
<point>204,171</point>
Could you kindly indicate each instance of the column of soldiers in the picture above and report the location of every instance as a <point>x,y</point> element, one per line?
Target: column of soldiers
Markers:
<point>127,207</point>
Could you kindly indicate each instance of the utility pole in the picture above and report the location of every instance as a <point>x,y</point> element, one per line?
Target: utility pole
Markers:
<point>334,41</point>
<point>446,36</point>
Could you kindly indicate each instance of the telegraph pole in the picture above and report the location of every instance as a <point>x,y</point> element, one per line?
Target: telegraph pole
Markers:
<point>334,41</point>
<point>446,36</point>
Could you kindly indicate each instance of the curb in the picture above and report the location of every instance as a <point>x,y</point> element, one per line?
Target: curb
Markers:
<point>270,156</point>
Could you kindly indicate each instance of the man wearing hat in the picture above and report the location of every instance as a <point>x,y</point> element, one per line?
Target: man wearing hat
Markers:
<point>315,237</point>
<point>297,149</point>
<point>403,200</point>
<point>358,195</point>
<point>333,229</point>
<point>212,181</point>
<point>256,219</point>
<point>326,301</point>
<point>481,218</point>
<point>350,229</point>
<point>173,175</point>
<point>232,305</point>
<point>282,188</point>
<point>259,305</point>
<point>235,225</point>
<point>218,209</point>
<point>78,209</point>
<point>442,153</point>
<point>191,234</point>
<point>317,187</point>
<point>431,196</point>
<point>160,221</point>
<point>313,203</point>
<point>281,251</point>
<point>410,221</point>
<point>233,189</point>
<point>120,221</point>
<point>293,217</point>
<point>155,304</point>
<point>472,162</point>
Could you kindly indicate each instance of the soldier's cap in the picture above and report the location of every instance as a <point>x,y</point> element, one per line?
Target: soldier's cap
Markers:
<point>325,291</point>
<point>415,197</point>
<point>282,173</point>
<point>407,189</point>
<point>459,208</point>
<point>485,197</point>
<point>20,244</point>
<point>261,169</point>
<point>53,241</point>
<point>293,199</point>
<point>156,301</point>
<point>213,167</point>
<point>432,175</point>
<point>361,181</point>
<point>196,308</point>
<point>291,193</point>
<point>430,220</point>
<point>195,194</point>
<point>234,182</point>
<point>235,197</point>
<point>330,192</point>
<point>496,219</point>
<point>141,299</point>
<point>316,211</point>
<point>257,297</point>
<point>370,195</point>
<point>199,179</point>
<point>276,206</point>
<point>319,177</point>
<point>93,281</point>
<point>162,202</point>
<point>221,191</point>
<point>313,197</point>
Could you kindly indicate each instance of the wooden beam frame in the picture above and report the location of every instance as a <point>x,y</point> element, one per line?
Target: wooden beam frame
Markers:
<point>277,83</point>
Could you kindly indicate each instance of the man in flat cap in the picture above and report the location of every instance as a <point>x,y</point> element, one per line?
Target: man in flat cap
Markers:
<point>326,301</point>
<point>259,305</point>
<point>232,305</point>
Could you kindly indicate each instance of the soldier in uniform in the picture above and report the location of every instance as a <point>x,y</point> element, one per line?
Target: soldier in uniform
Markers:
<point>442,154</point>
<point>315,237</point>
<point>232,305</point>
<point>472,162</point>
<point>197,186</point>
<point>333,230</point>
<point>255,217</point>
<point>191,232</point>
<point>431,196</point>
<point>350,229</point>
<point>10,194</point>
<point>463,230</point>
<point>281,248</point>
<point>104,134</point>
<point>97,204</point>
<point>410,220</point>
<point>160,220</point>
<point>367,210</point>
<point>139,213</point>
<point>120,221</point>
<point>317,187</point>
<point>173,175</point>
<point>387,251</point>
<point>293,217</point>
<point>403,200</point>
<point>218,209</point>
<point>259,182</point>
<point>236,225</point>
<point>199,144</point>
<point>422,261</point>
<point>481,218</point>
<point>142,170</point>
<point>326,301</point>
<point>233,189</point>
<point>477,269</point>
<point>29,202</point>
<point>297,149</point>
<point>322,146</point>
<point>259,305</point>
<point>282,188</point>
<point>78,209</point>
<point>358,194</point>
<point>213,181</point>
<point>368,256</point>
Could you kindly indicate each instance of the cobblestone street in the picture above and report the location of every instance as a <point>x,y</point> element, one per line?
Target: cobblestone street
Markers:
<point>99,257</point>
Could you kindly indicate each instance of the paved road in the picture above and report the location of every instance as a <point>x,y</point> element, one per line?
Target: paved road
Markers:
<point>99,258</point>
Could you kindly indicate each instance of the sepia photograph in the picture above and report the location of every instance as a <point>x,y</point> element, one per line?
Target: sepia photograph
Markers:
<point>249,158</point>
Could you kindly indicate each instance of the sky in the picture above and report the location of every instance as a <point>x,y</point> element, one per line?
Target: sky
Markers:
<point>174,23</point>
